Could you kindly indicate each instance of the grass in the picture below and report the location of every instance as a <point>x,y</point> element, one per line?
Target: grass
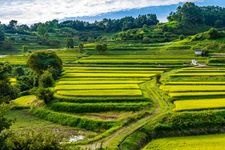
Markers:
<point>200,104</point>
<point>100,93</point>
<point>25,121</point>
<point>204,142</point>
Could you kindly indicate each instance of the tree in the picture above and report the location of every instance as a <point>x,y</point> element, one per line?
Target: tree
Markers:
<point>4,124</point>
<point>7,91</point>
<point>213,34</point>
<point>45,94</point>
<point>25,49</point>
<point>81,47</point>
<point>2,36</point>
<point>101,48</point>
<point>186,14</point>
<point>70,43</point>
<point>41,61</point>
<point>46,80</point>
<point>42,31</point>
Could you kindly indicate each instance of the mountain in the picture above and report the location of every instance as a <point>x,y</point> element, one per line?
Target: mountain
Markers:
<point>161,11</point>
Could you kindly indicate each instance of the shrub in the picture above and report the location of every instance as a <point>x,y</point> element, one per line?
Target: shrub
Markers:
<point>181,37</point>
<point>70,43</point>
<point>25,49</point>
<point>101,48</point>
<point>146,40</point>
<point>45,94</point>
<point>46,80</point>
<point>33,140</point>
<point>72,120</point>
<point>213,34</point>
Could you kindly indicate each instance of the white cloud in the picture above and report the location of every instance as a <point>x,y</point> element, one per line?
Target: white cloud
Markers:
<point>31,11</point>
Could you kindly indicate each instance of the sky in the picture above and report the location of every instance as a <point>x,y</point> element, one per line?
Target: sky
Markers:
<point>33,11</point>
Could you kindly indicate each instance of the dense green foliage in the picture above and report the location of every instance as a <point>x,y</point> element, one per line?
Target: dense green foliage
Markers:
<point>43,60</point>
<point>97,107</point>
<point>7,91</point>
<point>72,120</point>
<point>44,94</point>
<point>33,140</point>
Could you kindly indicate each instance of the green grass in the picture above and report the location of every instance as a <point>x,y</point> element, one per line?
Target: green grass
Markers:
<point>204,142</point>
<point>23,120</point>
<point>201,104</point>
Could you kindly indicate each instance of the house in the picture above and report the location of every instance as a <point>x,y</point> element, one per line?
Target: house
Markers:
<point>198,52</point>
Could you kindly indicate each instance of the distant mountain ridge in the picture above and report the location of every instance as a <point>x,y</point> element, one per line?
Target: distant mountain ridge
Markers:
<point>161,11</point>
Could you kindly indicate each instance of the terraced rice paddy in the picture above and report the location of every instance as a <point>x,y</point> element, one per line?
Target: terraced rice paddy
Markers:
<point>204,142</point>
<point>196,94</point>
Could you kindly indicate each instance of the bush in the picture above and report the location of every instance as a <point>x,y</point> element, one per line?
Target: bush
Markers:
<point>25,49</point>
<point>146,40</point>
<point>46,80</point>
<point>41,61</point>
<point>101,48</point>
<point>33,141</point>
<point>213,34</point>
<point>70,43</point>
<point>45,94</point>
<point>72,120</point>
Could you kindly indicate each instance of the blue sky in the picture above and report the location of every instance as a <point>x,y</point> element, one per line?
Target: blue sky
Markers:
<point>32,11</point>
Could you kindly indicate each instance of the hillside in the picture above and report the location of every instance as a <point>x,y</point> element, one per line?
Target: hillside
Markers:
<point>131,83</point>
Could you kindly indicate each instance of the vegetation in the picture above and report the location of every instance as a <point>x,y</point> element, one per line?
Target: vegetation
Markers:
<point>151,80</point>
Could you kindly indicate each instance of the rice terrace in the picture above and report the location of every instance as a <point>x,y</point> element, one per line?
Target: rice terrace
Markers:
<point>73,79</point>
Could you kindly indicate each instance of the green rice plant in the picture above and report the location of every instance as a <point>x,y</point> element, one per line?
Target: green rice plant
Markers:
<point>115,68</point>
<point>196,95</point>
<point>215,141</point>
<point>114,71</point>
<point>195,83</point>
<point>87,93</point>
<point>103,79</point>
<point>97,82</point>
<point>97,107</point>
<point>136,61</point>
<point>201,104</point>
<point>97,99</point>
<point>96,87</point>
<point>191,88</point>
<point>108,75</point>
<point>72,120</point>
<point>197,74</point>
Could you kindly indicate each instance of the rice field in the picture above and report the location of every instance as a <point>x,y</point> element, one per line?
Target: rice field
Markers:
<point>189,94</point>
<point>194,88</point>
<point>203,142</point>
<point>200,104</point>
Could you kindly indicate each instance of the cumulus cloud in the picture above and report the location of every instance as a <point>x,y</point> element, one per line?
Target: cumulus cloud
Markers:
<point>31,11</point>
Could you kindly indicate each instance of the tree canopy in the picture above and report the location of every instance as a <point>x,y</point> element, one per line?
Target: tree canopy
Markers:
<point>41,61</point>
